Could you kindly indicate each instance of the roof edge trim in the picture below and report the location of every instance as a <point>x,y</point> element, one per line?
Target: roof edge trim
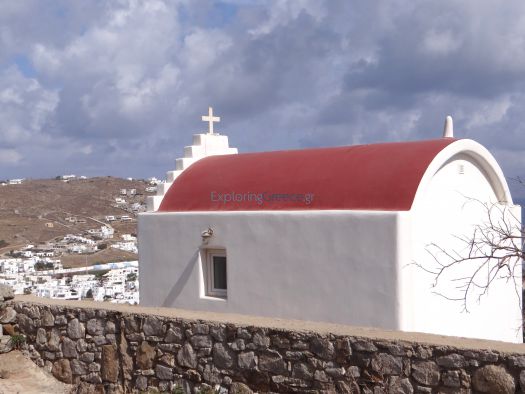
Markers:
<point>481,155</point>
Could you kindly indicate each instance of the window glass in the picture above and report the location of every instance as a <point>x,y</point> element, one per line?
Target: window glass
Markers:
<point>219,272</point>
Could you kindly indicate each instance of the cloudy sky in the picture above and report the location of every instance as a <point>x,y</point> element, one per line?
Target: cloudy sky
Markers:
<point>118,87</point>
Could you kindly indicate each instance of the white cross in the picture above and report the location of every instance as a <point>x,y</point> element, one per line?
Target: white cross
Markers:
<point>210,119</point>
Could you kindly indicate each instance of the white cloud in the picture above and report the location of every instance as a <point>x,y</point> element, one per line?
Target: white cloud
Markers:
<point>25,107</point>
<point>440,42</point>
<point>118,87</point>
<point>9,156</point>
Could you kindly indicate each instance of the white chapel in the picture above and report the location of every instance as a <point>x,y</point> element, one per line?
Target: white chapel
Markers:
<point>352,234</point>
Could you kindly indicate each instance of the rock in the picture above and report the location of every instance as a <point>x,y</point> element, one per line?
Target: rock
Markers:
<point>75,329</point>
<point>48,320</point>
<point>9,329</point>
<point>425,372</point>
<point>493,379</point>
<point>53,343</point>
<point>238,345</point>
<point>323,348</point>
<point>145,355</point>
<point>25,323</point>
<point>49,355</point>
<point>141,383</point>
<point>62,371</point>
<point>320,376</point>
<point>174,335</point>
<point>336,373</point>
<point>200,329</point>
<point>78,367</point>
<point>451,379</point>
<point>192,375</point>
<point>423,352</point>
<point>302,371</point>
<point>200,341</point>
<point>247,360</point>
<point>109,370</point>
<point>222,357</point>
<point>272,361</point>
<point>364,346</point>
<point>126,360</point>
<point>93,378</point>
<point>260,340</point>
<point>60,320</point>
<point>153,326</point>
<point>387,364</point>
<point>87,357</point>
<point>453,360</point>
<point>82,345</point>
<point>99,340</point>
<point>343,349</point>
<point>211,375</point>
<point>517,361</point>
<point>186,357</point>
<point>6,292</point>
<point>218,333</point>
<point>353,371</point>
<point>280,342</point>
<point>397,385</point>
<point>110,327</point>
<point>347,387</point>
<point>163,373</point>
<point>69,348</point>
<point>33,312</point>
<point>6,345</point>
<point>86,388</point>
<point>95,327</point>
<point>8,315</point>
<point>482,355</point>
<point>239,388</point>
<point>41,337</point>
<point>168,359</point>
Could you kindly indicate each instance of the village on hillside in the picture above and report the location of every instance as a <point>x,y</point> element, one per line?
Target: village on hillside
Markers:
<point>94,256</point>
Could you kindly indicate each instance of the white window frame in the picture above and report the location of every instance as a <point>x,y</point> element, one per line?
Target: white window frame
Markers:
<point>211,290</point>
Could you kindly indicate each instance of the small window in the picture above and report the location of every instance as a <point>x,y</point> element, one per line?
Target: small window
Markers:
<point>216,273</point>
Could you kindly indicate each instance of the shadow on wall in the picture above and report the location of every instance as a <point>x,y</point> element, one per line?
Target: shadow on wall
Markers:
<point>181,282</point>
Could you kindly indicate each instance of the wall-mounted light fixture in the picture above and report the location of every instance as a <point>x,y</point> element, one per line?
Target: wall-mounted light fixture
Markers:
<point>206,235</point>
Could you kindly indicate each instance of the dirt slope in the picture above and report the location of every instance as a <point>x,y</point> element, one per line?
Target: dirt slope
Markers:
<point>18,374</point>
<point>25,209</point>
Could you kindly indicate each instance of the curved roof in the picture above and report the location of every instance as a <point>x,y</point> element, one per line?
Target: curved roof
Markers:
<point>362,177</point>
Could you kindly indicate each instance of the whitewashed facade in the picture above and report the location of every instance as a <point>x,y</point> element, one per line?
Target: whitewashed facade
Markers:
<point>364,267</point>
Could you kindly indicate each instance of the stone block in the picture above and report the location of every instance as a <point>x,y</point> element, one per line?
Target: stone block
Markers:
<point>186,357</point>
<point>62,371</point>
<point>75,329</point>
<point>145,356</point>
<point>109,364</point>
<point>426,372</point>
<point>493,379</point>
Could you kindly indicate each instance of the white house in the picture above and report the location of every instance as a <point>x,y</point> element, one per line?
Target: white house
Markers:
<point>343,235</point>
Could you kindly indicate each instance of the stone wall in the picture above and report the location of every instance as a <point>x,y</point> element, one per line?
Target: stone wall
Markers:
<point>111,351</point>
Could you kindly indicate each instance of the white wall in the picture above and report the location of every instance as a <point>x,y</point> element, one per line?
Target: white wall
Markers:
<point>333,266</point>
<point>350,267</point>
<point>450,207</point>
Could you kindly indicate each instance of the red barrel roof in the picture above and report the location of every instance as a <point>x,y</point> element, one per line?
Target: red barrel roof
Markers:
<point>381,177</point>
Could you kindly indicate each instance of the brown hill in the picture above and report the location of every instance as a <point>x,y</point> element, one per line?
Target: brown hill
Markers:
<point>36,210</point>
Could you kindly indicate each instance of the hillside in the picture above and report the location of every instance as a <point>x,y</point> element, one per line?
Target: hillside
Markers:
<point>36,210</point>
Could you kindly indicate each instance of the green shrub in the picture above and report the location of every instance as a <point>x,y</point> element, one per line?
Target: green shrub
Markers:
<point>17,341</point>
